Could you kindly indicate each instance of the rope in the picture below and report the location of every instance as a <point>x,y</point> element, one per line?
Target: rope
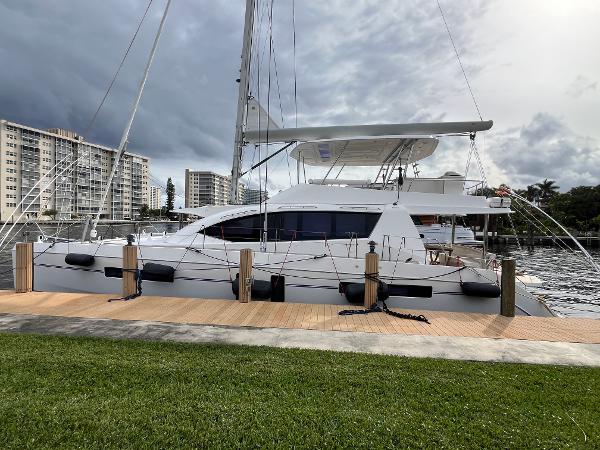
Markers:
<point>226,254</point>
<point>34,258</point>
<point>564,245</point>
<point>98,248</point>
<point>459,61</point>
<point>112,82</point>
<point>186,250</point>
<point>514,230</point>
<point>138,279</point>
<point>286,254</point>
<point>384,308</point>
<point>332,260</point>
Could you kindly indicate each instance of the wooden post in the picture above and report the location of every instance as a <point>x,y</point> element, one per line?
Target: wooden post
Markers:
<point>24,267</point>
<point>507,298</point>
<point>130,265</point>
<point>245,279</point>
<point>371,277</point>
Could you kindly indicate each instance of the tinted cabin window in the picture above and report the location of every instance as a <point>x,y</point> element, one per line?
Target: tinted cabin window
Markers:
<point>349,225</point>
<point>416,220</point>
<point>315,226</point>
<point>236,230</point>
<point>297,225</point>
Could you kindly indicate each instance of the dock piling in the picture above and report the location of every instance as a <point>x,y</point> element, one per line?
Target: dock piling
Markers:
<point>371,276</point>
<point>507,296</point>
<point>245,279</point>
<point>24,267</point>
<point>130,266</point>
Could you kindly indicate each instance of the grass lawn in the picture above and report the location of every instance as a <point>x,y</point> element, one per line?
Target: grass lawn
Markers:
<point>80,392</point>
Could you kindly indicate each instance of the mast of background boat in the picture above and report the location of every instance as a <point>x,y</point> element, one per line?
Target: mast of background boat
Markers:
<point>125,136</point>
<point>242,102</point>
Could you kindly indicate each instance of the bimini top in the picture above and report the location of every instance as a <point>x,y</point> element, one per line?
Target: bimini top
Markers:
<point>365,151</point>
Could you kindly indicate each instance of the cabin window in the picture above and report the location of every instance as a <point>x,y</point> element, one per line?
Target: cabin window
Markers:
<point>314,226</point>
<point>349,225</point>
<point>416,220</point>
<point>237,230</point>
<point>297,225</point>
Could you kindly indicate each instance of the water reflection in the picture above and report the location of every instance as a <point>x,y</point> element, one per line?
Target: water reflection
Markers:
<point>571,285</point>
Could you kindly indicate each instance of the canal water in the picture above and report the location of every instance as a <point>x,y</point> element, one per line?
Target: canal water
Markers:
<point>571,287</point>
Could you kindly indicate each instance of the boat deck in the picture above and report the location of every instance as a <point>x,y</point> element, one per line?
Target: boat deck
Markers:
<point>258,314</point>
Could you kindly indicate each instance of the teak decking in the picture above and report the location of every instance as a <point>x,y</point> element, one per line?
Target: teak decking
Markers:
<point>298,315</point>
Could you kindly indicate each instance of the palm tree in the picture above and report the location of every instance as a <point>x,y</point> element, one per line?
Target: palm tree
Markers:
<point>547,189</point>
<point>531,193</point>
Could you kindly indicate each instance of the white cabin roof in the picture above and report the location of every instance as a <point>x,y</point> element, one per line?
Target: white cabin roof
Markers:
<point>204,211</point>
<point>416,203</point>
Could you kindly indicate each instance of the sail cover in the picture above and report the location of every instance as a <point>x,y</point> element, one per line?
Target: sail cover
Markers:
<point>365,152</point>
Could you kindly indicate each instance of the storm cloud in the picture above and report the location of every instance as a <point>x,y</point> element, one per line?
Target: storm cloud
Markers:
<point>356,62</point>
<point>547,148</point>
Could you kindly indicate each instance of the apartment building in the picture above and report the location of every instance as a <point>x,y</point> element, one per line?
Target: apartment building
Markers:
<point>155,197</point>
<point>254,196</point>
<point>55,169</point>
<point>207,188</point>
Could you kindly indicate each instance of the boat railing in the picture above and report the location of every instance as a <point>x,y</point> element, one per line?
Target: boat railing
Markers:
<point>436,252</point>
<point>472,189</point>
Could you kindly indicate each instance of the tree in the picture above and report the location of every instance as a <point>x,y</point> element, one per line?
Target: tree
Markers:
<point>578,208</point>
<point>144,211</point>
<point>532,193</point>
<point>170,196</point>
<point>51,213</point>
<point>547,190</point>
<point>156,212</point>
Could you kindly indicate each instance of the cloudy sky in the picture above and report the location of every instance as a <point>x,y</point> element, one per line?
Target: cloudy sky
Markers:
<point>533,66</point>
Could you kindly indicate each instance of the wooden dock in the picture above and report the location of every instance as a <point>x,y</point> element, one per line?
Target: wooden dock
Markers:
<point>258,314</point>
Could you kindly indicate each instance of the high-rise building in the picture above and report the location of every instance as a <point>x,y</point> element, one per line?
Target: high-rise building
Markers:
<point>155,193</point>
<point>207,188</point>
<point>254,196</point>
<point>57,170</point>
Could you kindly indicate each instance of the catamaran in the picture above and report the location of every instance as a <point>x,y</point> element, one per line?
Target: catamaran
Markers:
<point>309,241</point>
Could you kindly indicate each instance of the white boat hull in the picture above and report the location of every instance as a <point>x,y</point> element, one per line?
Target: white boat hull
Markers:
<point>208,273</point>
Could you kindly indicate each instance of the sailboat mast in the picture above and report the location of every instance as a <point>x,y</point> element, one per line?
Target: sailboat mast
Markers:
<point>242,102</point>
<point>125,136</point>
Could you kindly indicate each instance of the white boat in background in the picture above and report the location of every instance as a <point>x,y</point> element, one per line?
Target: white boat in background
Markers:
<point>441,233</point>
